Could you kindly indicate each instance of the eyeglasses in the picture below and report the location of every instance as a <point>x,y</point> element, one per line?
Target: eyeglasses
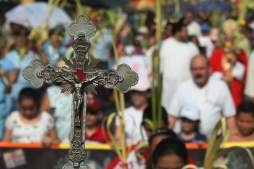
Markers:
<point>24,108</point>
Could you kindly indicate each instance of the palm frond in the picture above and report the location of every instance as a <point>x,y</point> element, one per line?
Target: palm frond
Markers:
<point>217,137</point>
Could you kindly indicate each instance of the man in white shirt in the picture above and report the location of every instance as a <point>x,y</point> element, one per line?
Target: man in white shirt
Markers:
<point>209,94</point>
<point>193,27</point>
<point>176,55</point>
<point>249,88</point>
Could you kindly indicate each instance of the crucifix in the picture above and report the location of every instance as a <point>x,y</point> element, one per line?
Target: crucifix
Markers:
<point>77,76</point>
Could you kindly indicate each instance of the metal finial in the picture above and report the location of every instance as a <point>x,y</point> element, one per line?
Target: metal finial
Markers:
<point>82,25</point>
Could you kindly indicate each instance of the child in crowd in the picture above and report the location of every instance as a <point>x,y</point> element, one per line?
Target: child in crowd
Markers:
<point>94,131</point>
<point>54,48</point>
<point>190,126</point>
<point>170,153</point>
<point>154,139</point>
<point>133,115</point>
<point>244,123</point>
<point>148,119</point>
<point>159,135</point>
<point>28,124</point>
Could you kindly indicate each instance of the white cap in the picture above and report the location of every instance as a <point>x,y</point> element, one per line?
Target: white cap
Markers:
<point>129,49</point>
<point>190,112</point>
<point>142,86</point>
<point>143,30</point>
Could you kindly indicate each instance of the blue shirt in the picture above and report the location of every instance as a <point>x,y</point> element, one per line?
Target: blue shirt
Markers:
<point>54,54</point>
<point>17,62</point>
<point>5,100</point>
<point>102,49</point>
<point>6,65</point>
<point>2,108</point>
<point>198,137</point>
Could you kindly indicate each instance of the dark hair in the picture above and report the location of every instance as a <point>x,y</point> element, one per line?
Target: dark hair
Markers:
<point>149,115</point>
<point>19,30</point>
<point>247,107</point>
<point>29,93</point>
<point>91,110</point>
<point>59,29</point>
<point>177,26</point>
<point>162,132</point>
<point>170,146</point>
<point>194,122</point>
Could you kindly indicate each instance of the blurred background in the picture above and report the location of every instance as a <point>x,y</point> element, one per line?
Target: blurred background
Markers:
<point>194,99</point>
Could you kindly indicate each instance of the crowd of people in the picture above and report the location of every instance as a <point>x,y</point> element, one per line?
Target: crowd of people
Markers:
<point>208,75</point>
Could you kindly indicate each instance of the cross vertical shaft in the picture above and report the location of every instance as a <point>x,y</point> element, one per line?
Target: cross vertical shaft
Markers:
<point>77,153</point>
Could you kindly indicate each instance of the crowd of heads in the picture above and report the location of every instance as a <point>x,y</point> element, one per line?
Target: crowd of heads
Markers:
<point>211,56</point>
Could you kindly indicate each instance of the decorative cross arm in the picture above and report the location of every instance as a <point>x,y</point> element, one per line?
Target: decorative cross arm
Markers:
<point>122,78</point>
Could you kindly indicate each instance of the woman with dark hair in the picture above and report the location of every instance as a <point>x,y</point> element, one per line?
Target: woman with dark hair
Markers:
<point>170,153</point>
<point>159,135</point>
<point>28,124</point>
<point>54,47</point>
<point>155,138</point>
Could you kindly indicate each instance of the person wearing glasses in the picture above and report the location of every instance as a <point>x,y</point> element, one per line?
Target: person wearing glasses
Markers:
<point>28,124</point>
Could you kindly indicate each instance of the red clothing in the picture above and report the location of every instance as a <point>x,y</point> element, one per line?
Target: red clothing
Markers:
<point>191,160</point>
<point>237,86</point>
<point>113,163</point>
<point>116,161</point>
<point>146,155</point>
<point>99,135</point>
<point>215,59</point>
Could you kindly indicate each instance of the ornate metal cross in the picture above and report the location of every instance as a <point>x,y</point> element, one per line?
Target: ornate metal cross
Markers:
<point>77,76</point>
